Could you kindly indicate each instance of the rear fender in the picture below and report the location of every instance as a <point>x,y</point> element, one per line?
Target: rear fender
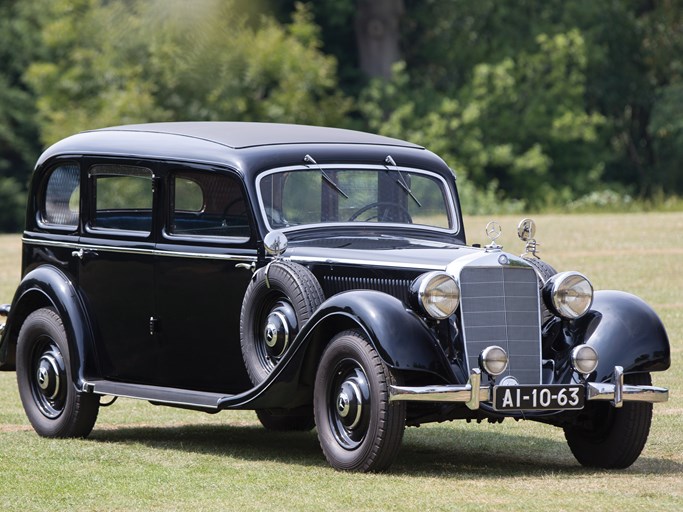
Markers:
<point>47,286</point>
<point>626,332</point>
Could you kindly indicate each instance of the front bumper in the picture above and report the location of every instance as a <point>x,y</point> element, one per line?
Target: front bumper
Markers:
<point>473,393</point>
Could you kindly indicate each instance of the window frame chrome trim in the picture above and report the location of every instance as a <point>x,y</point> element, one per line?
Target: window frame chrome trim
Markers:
<point>450,199</point>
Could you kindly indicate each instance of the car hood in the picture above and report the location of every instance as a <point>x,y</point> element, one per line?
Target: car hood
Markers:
<point>384,251</point>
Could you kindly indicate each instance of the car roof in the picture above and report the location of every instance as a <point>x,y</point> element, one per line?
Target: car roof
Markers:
<point>246,147</point>
<point>240,135</point>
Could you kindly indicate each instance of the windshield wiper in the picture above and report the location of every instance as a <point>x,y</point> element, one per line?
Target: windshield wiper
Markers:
<point>309,160</point>
<point>401,181</point>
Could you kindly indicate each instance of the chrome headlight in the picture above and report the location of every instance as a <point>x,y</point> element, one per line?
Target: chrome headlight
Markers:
<point>568,294</point>
<point>436,294</point>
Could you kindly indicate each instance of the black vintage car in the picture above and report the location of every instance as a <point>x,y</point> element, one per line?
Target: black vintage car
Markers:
<point>319,276</point>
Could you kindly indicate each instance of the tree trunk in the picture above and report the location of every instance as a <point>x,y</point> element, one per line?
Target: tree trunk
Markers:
<point>377,35</point>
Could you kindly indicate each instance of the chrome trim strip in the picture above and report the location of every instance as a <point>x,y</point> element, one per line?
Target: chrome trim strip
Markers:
<point>351,261</point>
<point>450,200</point>
<point>131,250</point>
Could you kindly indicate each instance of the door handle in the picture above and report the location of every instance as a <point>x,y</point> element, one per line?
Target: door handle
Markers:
<point>82,254</point>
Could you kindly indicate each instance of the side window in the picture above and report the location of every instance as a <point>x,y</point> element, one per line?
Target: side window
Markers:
<point>61,196</point>
<point>123,197</point>
<point>208,204</point>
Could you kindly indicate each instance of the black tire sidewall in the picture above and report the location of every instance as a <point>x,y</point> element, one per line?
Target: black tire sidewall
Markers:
<point>353,346</point>
<point>285,280</point>
<point>80,411</point>
<point>621,438</point>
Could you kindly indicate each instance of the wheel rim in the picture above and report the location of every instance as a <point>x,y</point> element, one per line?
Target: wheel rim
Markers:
<point>276,327</point>
<point>348,404</point>
<point>47,376</point>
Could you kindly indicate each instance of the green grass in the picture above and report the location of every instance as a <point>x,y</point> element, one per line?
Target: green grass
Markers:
<point>141,457</point>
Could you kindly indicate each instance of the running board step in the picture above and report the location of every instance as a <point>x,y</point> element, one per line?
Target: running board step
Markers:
<point>170,396</point>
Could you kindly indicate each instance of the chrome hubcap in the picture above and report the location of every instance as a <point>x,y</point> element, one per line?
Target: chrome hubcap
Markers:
<point>49,380</point>
<point>349,404</point>
<point>279,328</point>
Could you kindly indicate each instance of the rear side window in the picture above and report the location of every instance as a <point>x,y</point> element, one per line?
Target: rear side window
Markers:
<point>62,196</point>
<point>123,196</point>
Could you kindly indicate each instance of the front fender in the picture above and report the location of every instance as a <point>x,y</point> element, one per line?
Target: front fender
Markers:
<point>625,331</point>
<point>47,286</point>
<point>401,338</point>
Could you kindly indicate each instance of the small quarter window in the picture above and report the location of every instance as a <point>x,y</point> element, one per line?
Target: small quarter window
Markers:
<point>123,197</point>
<point>61,196</point>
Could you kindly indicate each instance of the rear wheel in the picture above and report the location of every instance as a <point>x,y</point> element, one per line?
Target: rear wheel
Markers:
<point>299,420</point>
<point>53,405</point>
<point>359,429</point>
<point>612,438</point>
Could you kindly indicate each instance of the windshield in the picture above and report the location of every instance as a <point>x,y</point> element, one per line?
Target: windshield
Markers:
<point>340,195</point>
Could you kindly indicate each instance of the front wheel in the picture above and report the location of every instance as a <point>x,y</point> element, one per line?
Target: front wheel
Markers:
<point>53,405</point>
<point>611,438</point>
<point>358,428</point>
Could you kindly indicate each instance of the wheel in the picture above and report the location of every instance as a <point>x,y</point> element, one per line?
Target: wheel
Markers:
<point>279,300</point>
<point>300,421</point>
<point>612,438</point>
<point>358,428</point>
<point>53,405</point>
<point>401,213</point>
<point>543,272</point>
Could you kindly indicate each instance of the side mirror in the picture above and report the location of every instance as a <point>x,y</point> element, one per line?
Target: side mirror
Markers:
<point>275,243</point>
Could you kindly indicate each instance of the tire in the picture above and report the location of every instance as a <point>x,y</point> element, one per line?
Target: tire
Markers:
<point>611,438</point>
<point>358,428</point>
<point>300,421</point>
<point>53,405</point>
<point>543,272</point>
<point>279,300</point>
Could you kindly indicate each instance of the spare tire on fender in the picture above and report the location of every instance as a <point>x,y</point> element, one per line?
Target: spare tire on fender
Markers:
<point>279,300</point>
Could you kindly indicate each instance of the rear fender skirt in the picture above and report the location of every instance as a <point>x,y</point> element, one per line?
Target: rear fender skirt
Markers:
<point>47,286</point>
<point>626,332</point>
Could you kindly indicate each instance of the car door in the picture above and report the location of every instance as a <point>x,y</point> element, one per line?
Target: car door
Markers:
<point>203,265</point>
<point>116,267</point>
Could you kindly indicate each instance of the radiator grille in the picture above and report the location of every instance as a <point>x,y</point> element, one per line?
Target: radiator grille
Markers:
<point>399,288</point>
<point>500,306</point>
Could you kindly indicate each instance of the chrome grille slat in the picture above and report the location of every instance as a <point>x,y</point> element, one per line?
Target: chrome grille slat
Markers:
<point>500,306</point>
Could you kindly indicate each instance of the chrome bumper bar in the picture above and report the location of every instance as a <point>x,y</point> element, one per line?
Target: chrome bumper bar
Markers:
<point>4,311</point>
<point>473,393</point>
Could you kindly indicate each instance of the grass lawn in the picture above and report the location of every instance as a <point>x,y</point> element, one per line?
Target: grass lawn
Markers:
<point>142,457</point>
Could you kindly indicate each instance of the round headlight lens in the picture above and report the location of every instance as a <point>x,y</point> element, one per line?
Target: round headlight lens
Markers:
<point>438,295</point>
<point>569,294</point>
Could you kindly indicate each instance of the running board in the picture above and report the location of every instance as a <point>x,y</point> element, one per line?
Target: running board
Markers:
<point>156,394</point>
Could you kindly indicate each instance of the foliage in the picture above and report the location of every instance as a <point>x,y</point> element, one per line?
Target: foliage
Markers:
<point>534,103</point>
<point>142,61</point>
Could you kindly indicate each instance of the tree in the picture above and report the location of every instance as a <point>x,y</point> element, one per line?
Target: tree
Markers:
<point>140,61</point>
<point>19,144</point>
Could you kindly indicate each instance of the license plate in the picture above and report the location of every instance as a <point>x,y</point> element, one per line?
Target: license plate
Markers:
<point>515,398</point>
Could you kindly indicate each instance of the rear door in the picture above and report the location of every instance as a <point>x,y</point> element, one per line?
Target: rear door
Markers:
<point>116,267</point>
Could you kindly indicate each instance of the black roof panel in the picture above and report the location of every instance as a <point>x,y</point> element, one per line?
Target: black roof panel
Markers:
<point>239,135</point>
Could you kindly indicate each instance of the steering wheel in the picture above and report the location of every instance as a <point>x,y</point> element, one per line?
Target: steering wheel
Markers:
<point>402,213</point>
